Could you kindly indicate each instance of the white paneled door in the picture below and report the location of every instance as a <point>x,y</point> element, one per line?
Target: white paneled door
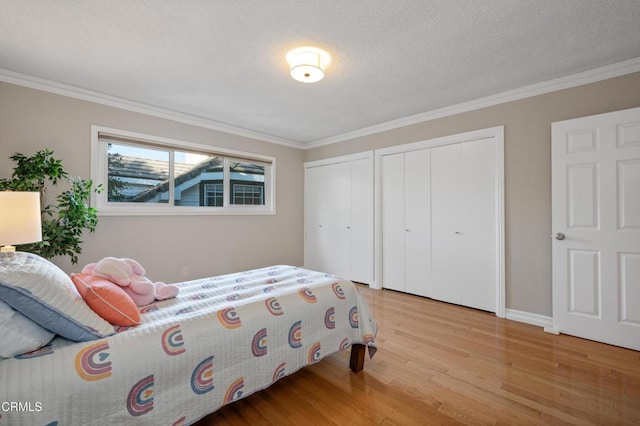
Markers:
<point>596,227</point>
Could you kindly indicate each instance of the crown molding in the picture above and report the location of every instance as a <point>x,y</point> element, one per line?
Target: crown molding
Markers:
<point>112,101</point>
<point>579,79</point>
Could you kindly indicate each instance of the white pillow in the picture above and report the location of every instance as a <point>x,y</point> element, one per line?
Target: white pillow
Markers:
<point>42,292</point>
<point>18,334</point>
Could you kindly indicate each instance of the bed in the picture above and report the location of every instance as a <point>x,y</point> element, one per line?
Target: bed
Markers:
<point>222,339</point>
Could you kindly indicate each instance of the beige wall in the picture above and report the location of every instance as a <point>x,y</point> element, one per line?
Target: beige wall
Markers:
<point>527,171</point>
<point>31,120</point>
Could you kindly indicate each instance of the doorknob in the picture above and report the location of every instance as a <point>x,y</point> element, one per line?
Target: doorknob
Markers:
<point>559,236</point>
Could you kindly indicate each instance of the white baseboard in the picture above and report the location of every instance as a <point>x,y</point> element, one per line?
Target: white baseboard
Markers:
<point>529,318</point>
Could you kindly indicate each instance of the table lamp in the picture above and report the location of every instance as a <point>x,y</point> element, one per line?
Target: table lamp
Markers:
<point>20,221</point>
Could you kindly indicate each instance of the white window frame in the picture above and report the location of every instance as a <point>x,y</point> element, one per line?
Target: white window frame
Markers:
<point>99,175</point>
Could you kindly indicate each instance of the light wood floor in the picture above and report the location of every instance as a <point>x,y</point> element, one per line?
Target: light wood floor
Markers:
<point>444,364</point>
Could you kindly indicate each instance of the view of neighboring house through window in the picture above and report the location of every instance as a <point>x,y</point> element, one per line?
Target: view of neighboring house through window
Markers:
<point>141,175</point>
<point>212,194</point>
<point>247,183</point>
<point>146,174</point>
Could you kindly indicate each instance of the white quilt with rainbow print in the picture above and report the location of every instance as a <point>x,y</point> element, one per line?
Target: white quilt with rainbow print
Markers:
<point>222,339</point>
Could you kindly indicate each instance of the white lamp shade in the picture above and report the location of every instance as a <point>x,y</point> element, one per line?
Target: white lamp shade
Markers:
<point>20,221</point>
<point>307,64</point>
<point>307,73</point>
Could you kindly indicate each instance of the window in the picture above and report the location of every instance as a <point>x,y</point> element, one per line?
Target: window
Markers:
<point>143,174</point>
<point>247,183</point>
<point>247,194</point>
<point>212,195</point>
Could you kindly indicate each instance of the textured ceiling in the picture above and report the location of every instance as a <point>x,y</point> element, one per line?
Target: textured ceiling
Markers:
<point>224,60</point>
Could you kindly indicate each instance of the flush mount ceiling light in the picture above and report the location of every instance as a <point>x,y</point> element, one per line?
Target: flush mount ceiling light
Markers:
<point>307,64</point>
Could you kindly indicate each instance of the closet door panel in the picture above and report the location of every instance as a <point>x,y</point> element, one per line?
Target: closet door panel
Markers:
<point>337,208</point>
<point>440,223</point>
<point>362,221</point>
<point>393,229</point>
<point>339,218</point>
<point>446,229</point>
<point>478,224</point>
<point>314,221</point>
<point>417,198</point>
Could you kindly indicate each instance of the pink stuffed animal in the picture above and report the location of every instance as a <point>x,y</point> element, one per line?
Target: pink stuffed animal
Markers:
<point>129,274</point>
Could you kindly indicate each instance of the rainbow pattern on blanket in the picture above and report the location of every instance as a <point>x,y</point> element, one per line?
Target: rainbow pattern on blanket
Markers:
<point>140,398</point>
<point>172,341</point>
<point>295,335</point>
<point>202,377</point>
<point>91,362</point>
<point>259,343</point>
<point>222,339</point>
<point>229,318</point>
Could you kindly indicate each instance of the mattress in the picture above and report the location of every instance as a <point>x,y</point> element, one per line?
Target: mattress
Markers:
<point>220,340</point>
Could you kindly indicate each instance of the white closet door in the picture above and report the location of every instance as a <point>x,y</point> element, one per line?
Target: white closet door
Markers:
<point>446,262</point>
<point>337,201</point>
<point>393,229</point>
<point>417,214</point>
<point>314,221</point>
<point>339,217</point>
<point>440,219</point>
<point>478,224</point>
<point>362,221</point>
<point>327,198</point>
<point>463,196</point>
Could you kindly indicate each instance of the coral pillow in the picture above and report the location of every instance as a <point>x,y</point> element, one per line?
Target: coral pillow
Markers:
<point>107,299</point>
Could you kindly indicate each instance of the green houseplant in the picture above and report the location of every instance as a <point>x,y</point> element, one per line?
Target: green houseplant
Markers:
<point>63,222</point>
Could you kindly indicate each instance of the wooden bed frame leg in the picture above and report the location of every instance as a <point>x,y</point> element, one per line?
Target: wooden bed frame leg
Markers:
<point>356,363</point>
